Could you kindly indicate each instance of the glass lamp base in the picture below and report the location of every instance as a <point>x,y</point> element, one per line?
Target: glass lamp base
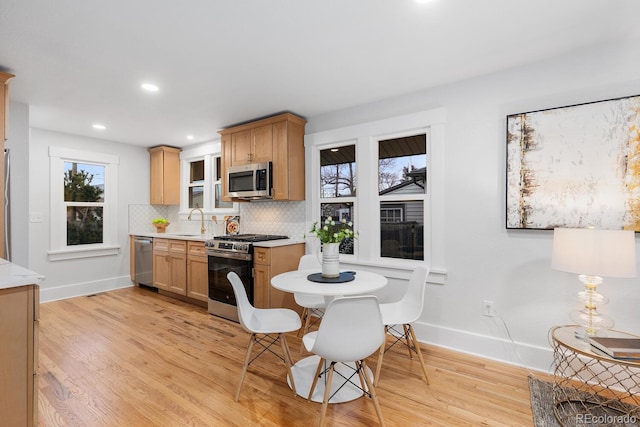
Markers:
<point>591,321</point>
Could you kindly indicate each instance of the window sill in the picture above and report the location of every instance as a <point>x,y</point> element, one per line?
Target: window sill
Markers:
<point>83,252</point>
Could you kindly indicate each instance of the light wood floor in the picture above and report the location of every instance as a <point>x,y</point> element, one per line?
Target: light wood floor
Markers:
<point>132,357</point>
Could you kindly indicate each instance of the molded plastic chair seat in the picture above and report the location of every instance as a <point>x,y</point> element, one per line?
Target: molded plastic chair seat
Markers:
<point>405,312</point>
<point>350,331</point>
<point>265,322</point>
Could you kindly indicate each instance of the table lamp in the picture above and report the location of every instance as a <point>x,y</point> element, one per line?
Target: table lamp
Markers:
<point>593,253</point>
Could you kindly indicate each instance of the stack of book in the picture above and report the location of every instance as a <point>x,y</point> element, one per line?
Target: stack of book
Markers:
<point>618,348</point>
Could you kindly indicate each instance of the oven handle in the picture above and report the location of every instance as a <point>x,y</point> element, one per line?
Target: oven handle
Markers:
<point>229,255</point>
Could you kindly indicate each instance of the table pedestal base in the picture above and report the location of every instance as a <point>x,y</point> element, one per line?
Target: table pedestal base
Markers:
<point>304,370</point>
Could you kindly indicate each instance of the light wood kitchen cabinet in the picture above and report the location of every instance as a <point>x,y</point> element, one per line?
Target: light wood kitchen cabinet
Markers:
<point>19,329</point>
<point>269,262</point>
<point>4,114</point>
<point>170,265</point>
<point>252,145</point>
<point>165,175</point>
<point>278,139</point>
<point>197,271</point>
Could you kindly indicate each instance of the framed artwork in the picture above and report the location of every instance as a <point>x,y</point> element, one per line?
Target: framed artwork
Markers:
<point>575,166</point>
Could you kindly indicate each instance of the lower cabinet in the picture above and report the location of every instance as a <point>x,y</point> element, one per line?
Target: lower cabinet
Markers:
<point>269,262</point>
<point>170,265</point>
<point>19,316</point>
<point>180,267</point>
<point>197,271</point>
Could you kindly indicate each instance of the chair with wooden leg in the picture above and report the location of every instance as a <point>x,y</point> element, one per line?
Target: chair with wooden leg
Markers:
<point>312,305</point>
<point>351,330</point>
<point>267,327</point>
<point>405,312</point>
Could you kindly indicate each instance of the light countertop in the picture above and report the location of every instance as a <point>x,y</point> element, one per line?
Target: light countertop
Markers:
<point>12,275</point>
<point>205,237</point>
<point>177,235</point>
<point>275,243</point>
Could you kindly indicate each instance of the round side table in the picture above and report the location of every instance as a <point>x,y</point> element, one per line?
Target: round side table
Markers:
<point>591,388</point>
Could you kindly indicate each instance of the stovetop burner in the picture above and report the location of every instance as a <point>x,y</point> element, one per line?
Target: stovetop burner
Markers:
<point>249,237</point>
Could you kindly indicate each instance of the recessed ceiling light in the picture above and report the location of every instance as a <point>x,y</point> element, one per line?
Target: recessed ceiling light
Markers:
<point>98,126</point>
<point>333,150</point>
<point>189,137</point>
<point>149,87</point>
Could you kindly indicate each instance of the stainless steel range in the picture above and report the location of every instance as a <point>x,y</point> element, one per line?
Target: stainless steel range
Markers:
<point>231,253</point>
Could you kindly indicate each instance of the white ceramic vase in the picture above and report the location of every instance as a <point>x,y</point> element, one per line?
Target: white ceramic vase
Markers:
<point>330,260</point>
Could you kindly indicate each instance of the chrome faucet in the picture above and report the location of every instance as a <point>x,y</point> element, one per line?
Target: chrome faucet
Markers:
<point>202,229</point>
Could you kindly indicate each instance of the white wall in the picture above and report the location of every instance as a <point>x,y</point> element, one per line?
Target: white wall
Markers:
<point>483,259</point>
<point>18,145</point>
<point>88,275</point>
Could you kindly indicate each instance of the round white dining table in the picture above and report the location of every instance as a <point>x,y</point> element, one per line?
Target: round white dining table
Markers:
<point>296,281</point>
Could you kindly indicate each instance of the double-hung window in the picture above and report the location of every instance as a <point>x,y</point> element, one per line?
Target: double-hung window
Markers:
<point>338,185</point>
<point>83,188</point>
<point>201,181</point>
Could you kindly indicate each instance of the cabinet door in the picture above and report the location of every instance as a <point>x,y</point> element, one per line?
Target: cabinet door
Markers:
<point>165,176</point>
<point>262,144</point>
<point>161,270</point>
<point>17,329</point>
<point>241,148</point>
<point>197,277</point>
<point>261,286</point>
<point>282,259</point>
<point>178,268</point>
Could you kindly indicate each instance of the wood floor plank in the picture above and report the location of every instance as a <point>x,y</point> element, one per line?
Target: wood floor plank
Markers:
<point>132,357</point>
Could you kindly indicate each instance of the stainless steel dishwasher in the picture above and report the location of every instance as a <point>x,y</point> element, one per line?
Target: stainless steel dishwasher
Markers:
<point>143,257</point>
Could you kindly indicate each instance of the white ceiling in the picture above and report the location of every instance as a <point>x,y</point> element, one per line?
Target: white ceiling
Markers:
<point>218,63</point>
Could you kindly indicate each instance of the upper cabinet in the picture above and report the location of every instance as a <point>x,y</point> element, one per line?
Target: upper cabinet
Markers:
<point>165,175</point>
<point>4,107</point>
<point>4,103</point>
<point>252,146</point>
<point>277,139</point>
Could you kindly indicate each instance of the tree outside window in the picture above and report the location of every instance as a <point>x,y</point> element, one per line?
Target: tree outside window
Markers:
<point>338,187</point>
<point>84,200</point>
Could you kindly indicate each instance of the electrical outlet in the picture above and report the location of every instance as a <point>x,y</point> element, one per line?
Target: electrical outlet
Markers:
<point>487,308</point>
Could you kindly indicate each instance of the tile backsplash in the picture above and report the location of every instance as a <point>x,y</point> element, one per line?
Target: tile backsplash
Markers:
<point>264,217</point>
<point>268,217</point>
<point>140,217</point>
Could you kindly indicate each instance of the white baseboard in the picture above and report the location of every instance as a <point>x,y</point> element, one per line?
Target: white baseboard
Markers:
<point>514,353</point>
<point>85,288</point>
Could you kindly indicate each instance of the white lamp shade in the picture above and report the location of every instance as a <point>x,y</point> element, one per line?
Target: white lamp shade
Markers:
<point>607,253</point>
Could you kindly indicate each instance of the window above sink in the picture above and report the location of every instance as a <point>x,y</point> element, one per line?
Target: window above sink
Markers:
<point>200,181</point>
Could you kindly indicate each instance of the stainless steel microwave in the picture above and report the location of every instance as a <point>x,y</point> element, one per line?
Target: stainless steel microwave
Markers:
<point>252,181</point>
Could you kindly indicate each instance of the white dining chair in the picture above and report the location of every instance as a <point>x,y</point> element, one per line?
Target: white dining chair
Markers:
<point>266,325</point>
<point>405,312</point>
<point>312,305</point>
<point>350,331</point>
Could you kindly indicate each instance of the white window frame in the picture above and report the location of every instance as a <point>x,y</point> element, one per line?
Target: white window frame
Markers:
<point>367,201</point>
<point>59,250</point>
<point>207,152</point>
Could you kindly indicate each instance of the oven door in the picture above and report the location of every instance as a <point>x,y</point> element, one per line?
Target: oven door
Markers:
<point>220,289</point>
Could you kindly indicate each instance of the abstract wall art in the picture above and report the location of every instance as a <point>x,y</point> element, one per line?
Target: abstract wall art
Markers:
<point>575,166</point>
